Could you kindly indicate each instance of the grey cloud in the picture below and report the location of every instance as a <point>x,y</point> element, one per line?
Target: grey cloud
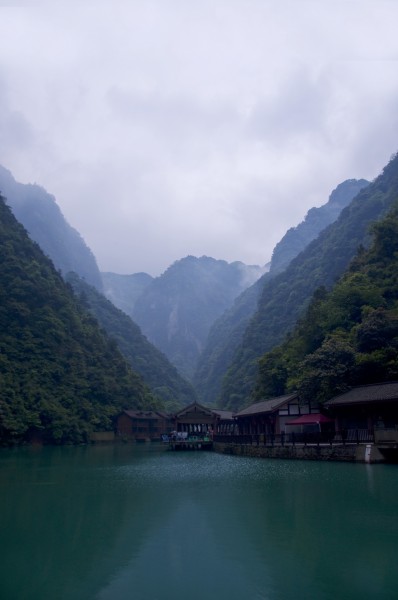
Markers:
<point>170,113</point>
<point>168,128</point>
<point>15,130</point>
<point>300,105</point>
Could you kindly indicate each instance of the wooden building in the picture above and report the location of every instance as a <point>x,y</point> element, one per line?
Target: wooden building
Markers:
<point>226,423</point>
<point>194,419</point>
<point>143,425</point>
<point>271,416</point>
<point>368,407</point>
<point>197,419</point>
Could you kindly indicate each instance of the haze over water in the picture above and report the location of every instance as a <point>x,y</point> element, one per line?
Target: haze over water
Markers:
<point>139,522</point>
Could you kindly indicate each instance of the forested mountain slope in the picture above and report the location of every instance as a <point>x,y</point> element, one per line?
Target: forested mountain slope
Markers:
<point>227,332</point>
<point>285,296</point>
<point>158,373</point>
<point>177,309</point>
<point>348,336</point>
<point>222,341</point>
<point>60,374</point>
<point>42,218</point>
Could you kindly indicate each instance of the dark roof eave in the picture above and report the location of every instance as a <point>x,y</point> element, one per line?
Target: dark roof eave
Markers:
<point>367,394</point>
<point>266,407</point>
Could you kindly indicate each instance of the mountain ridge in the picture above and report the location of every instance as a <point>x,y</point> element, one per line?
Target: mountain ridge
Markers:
<point>176,310</point>
<point>349,335</point>
<point>62,377</point>
<point>157,372</point>
<point>228,330</point>
<point>42,218</point>
<point>286,295</point>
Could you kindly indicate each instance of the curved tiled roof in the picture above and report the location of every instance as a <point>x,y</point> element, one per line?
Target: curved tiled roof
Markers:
<point>376,392</point>
<point>265,406</point>
<point>145,414</point>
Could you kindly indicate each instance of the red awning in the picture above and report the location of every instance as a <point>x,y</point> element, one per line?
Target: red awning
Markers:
<point>313,419</point>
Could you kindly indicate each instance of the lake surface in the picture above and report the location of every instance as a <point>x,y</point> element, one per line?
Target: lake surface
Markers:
<point>141,522</point>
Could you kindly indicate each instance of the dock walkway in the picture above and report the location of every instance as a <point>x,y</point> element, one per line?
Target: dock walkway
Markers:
<point>190,443</point>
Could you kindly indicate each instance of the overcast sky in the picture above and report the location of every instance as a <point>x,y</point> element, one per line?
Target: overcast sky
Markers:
<point>174,127</point>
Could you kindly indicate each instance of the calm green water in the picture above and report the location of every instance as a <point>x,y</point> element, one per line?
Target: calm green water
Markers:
<point>127,522</point>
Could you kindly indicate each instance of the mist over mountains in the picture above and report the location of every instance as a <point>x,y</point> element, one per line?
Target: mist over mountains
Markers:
<point>158,373</point>
<point>61,377</point>
<point>177,309</point>
<point>316,219</point>
<point>37,211</point>
<point>198,330</point>
<point>124,290</point>
<point>285,297</point>
<point>42,218</point>
<point>189,295</point>
<point>227,332</point>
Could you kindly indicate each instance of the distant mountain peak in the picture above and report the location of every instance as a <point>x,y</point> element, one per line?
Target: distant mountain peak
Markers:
<point>316,219</point>
<point>177,309</point>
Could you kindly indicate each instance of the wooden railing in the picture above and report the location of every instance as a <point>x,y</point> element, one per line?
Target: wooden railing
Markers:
<point>348,436</point>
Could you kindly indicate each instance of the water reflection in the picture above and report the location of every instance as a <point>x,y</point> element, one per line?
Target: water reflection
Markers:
<point>108,523</point>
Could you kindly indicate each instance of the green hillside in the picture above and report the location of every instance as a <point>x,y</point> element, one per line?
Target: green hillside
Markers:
<point>224,338</point>
<point>348,336</point>
<point>60,374</point>
<point>227,332</point>
<point>287,295</point>
<point>155,369</point>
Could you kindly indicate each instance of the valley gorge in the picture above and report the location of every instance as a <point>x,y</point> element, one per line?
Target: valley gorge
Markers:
<point>198,330</point>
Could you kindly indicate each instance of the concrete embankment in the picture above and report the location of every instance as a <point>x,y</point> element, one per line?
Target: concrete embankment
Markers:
<point>366,453</point>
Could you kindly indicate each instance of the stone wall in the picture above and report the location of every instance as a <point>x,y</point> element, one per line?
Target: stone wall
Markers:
<point>336,453</point>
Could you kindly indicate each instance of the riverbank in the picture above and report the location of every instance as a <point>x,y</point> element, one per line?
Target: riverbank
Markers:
<point>362,453</point>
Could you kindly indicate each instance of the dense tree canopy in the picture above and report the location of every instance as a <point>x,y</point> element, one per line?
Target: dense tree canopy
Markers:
<point>348,336</point>
<point>59,373</point>
<point>158,373</point>
<point>285,297</point>
<point>228,331</point>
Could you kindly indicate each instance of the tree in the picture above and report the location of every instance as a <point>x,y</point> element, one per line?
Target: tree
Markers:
<point>327,371</point>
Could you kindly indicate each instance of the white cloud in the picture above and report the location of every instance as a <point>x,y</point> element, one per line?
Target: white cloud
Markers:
<point>166,128</point>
